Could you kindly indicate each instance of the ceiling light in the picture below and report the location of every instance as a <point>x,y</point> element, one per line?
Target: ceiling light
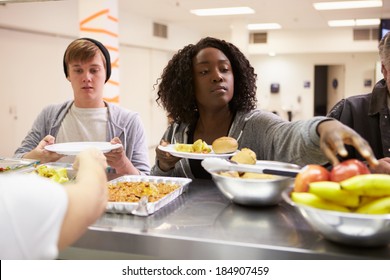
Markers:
<point>346,5</point>
<point>368,22</point>
<point>339,23</point>
<point>354,22</point>
<point>223,11</point>
<point>263,26</point>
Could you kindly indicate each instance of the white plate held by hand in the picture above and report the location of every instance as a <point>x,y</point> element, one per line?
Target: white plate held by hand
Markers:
<point>171,149</point>
<point>74,148</point>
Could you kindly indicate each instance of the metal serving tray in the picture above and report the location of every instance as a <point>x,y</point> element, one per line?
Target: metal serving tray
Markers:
<point>13,164</point>
<point>56,165</point>
<point>144,208</point>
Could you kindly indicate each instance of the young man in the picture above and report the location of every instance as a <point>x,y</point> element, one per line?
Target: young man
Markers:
<point>88,117</point>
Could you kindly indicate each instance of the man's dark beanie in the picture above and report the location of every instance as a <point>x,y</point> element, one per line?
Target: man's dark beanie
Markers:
<point>103,50</point>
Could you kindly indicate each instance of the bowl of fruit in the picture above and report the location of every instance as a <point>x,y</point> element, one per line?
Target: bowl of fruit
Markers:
<point>352,209</point>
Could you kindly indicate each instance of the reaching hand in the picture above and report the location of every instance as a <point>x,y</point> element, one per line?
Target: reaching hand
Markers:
<point>333,137</point>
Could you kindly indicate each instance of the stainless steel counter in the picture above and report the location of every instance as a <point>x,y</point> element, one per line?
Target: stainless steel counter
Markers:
<point>202,224</point>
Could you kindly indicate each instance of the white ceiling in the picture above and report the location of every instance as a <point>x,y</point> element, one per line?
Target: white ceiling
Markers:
<point>291,14</point>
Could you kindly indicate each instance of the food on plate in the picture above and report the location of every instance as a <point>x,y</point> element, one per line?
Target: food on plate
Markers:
<point>185,148</point>
<point>134,191</point>
<point>59,175</point>
<point>347,169</point>
<point>199,146</point>
<point>224,145</point>
<point>310,173</point>
<point>244,156</point>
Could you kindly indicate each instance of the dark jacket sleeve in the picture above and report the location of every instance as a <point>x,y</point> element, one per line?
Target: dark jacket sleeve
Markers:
<point>337,110</point>
<point>354,112</point>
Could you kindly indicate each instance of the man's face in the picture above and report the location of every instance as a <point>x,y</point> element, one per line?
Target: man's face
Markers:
<point>88,79</point>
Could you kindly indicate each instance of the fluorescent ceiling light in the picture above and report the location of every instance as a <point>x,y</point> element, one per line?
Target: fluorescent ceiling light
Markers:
<point>223,11</point>
<point>344,22</point>
<point>263,26</point>
<point>368,22</point>
<point>346,5</point>
<point>354,22</point>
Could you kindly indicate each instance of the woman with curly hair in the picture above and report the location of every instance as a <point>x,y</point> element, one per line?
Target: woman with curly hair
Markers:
<point>209,91</point>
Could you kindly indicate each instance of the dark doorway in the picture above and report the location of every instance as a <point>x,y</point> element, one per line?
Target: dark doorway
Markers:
<point>320,90</point>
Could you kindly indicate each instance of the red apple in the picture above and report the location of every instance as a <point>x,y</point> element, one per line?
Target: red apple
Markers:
<point>310,173</point>
<point>347,169</point>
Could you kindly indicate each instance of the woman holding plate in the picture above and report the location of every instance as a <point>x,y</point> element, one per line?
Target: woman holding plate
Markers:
<point>88,118</point>
<point>209,91</point>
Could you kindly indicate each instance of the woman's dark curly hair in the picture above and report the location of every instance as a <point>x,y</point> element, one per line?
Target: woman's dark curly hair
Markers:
<point>176,89</point>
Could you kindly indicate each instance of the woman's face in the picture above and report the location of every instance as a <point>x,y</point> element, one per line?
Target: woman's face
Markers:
<point>213,79</point>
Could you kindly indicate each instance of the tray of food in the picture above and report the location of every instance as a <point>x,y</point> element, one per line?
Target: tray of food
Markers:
<point>56,171</point>
<point>13,164</point>
<point>143,195</point>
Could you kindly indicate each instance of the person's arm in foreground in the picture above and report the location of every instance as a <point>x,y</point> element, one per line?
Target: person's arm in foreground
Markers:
<point>87,196</point>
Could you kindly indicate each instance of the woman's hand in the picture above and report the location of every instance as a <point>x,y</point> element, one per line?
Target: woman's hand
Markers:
<point>334,135</point>
<point>165,160</point>
<point>41,154</point>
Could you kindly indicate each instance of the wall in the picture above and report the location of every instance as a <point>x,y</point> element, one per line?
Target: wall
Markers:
<point>33,39</point>
<point>35,35</point>
<point>292,70</point>
<point>335,72</point>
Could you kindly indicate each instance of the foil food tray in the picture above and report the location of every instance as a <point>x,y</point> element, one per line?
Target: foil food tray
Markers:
<point>144,208</point>
<point>15,164</point>
<point>56,165</point>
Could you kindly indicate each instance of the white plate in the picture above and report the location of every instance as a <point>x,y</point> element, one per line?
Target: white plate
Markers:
<point>74,148</point>
<point>171,149</point>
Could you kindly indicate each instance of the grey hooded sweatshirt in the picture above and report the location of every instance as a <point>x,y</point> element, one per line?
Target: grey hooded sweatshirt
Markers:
<point>268,135</point>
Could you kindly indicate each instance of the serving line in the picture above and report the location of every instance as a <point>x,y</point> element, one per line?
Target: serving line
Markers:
<point>202,224</point>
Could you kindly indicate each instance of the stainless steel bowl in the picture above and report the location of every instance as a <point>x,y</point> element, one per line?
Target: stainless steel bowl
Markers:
<point>346,228</point>
<point>251,192</point>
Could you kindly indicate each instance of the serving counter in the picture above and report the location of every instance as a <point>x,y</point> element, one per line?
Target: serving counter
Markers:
<point>203,224</point>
